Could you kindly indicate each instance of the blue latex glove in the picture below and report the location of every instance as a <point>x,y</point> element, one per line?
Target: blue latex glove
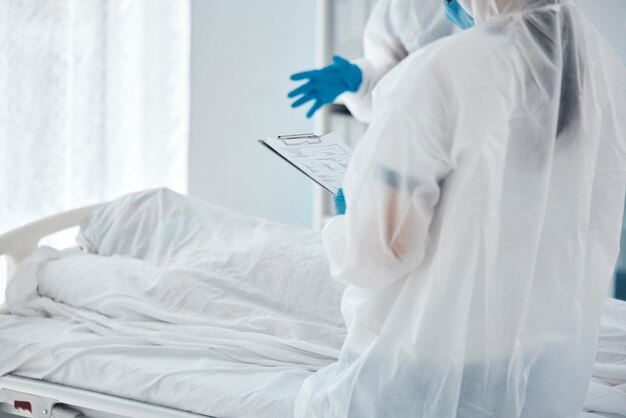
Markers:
<point>457,15</point>
<point>324,85</point>
<point>340,203</point>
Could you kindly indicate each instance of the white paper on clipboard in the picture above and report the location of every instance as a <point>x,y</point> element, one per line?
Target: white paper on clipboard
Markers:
<point>324,159</point>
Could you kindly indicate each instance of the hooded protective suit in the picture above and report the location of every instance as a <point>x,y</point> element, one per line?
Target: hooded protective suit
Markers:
<point>394,29</point>
<point>483,217</point>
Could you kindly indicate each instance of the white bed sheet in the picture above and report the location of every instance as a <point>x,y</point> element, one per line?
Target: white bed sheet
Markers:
<point>194,379</point>
<point>182,304</point>
<point>186,378</point>
<point>607,391</point>
<point>179,303</point>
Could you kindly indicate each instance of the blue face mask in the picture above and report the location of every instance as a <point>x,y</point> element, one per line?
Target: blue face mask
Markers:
<point>457,15</point>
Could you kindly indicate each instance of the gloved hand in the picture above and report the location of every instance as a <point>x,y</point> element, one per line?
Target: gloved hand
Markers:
<point>340,203</point>
<point>324,85</point>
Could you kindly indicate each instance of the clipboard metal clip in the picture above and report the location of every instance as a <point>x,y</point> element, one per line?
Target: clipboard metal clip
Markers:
<point>299,139</point>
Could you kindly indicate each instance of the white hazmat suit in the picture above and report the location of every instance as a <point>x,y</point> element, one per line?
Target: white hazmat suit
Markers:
<point>394,29</point>
<point>483,217</point>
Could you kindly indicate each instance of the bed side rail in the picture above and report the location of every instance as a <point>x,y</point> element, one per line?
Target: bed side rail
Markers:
<point>19,243</point>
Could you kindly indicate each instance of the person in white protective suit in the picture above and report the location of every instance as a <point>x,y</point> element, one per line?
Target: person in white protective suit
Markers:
<point>394,29</point>
<point>484,206</point>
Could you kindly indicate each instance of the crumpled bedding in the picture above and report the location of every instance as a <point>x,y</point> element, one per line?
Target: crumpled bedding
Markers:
<point>607,391</point>
<point>170,274</point>
<point>180,303</point>
<point>185,378</point>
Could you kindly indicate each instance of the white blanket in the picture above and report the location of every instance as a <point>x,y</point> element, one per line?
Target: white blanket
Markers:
<point>607,392</point>
<point>181,303</point>
<point>175,272</point>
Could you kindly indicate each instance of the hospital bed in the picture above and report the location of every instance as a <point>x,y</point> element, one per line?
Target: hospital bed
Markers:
<point>57,395</point>
<point>96,372</point>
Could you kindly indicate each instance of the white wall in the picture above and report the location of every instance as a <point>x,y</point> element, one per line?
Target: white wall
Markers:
<point>609,17</point>
<point>242,53</point>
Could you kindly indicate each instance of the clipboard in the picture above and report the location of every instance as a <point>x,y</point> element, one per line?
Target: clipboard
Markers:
<point>324,159</point>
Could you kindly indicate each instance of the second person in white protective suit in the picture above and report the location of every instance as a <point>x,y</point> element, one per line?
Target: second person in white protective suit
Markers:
<point>394,29</point>
<point>482,227</point>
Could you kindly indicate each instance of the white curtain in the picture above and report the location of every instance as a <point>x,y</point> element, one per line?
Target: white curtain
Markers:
<point>93,102</point>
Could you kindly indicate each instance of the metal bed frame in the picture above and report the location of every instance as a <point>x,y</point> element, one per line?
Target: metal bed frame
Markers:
<point>39,399</point>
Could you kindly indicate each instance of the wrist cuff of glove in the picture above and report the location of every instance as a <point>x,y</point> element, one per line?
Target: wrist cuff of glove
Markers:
<point>354,78</point>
